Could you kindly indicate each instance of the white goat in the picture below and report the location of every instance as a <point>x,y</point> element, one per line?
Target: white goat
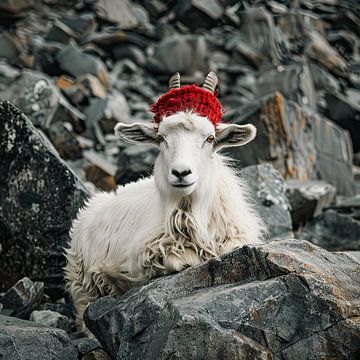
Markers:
<point>193,208</point>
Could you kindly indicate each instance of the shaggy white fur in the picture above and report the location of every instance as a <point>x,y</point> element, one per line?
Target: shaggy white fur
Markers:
<point>164,223</point>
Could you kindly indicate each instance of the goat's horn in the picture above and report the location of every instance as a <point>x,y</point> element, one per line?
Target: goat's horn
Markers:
<point>174,82</point>
<point>210,81</point>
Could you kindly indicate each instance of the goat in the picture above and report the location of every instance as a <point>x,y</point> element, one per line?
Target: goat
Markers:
<point>193,208</point>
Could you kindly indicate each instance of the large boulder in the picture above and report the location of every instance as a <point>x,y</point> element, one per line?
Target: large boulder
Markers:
<point>297,142</point>
<point>286,299</point>
<point>39,198</point>
<point>25,340</point>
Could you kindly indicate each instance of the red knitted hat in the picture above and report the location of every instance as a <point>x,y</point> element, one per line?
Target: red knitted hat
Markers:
<point>201,100</point>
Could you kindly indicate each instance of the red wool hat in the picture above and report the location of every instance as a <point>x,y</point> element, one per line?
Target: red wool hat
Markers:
<point>201,100</point>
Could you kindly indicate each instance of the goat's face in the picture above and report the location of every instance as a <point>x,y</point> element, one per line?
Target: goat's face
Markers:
<point>187,144</point>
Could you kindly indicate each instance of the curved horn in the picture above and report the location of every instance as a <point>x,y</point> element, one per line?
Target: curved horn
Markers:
<point>174,82</point>
<point>210,81</point>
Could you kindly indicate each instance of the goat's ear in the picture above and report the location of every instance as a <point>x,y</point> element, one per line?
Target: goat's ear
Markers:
<point>136,133</point>
<point>233,135</point>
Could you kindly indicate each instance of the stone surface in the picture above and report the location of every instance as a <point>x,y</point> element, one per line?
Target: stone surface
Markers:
<point>25,340</point>
<point>50,318</point>
<point>88,345</point>
<point>22,298</point>
<point>297,142</point>
<point>182,53</point>
<point>308,198</point>
<point>76,62</point>
<point>39,198</point>
<point>283,300</point>
<point>98,354</point>
<point>334,229</point>
<point>135,162</point>
<point>267,189</point>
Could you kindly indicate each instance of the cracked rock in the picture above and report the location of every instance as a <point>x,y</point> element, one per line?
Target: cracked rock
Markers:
<point>24,340</point>
<point>285,299</point>
<point>39,198</point>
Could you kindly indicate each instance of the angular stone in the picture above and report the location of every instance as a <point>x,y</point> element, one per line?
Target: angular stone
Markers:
<point>345,111</point>
<point>183,53</point>
<point>199,13</point>
<point>135,162</point>
<point>39,197</point>
<point>36,95</point>
<point>298,142</point>
<point>117,11</point>
<point>25,340</point>
<point>75,62</point>
<point>285,299</point>
<point>63,309</point>
<point>267,189</point>
<point>308,198</point>
<point>50,318</point>
<point>336,229</point>
<point>293,80</point>
<point>22,298</point>
<point>88,345</point>
<point>98,354</point>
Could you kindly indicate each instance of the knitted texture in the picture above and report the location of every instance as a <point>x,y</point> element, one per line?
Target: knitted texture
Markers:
<point>186,98</point>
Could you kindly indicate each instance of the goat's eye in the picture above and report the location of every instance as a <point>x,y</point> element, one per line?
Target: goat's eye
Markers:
<point>160,138</point>
<point>210,139</point>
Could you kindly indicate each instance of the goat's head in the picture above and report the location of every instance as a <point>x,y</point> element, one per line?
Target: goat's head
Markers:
<point>187,141</point>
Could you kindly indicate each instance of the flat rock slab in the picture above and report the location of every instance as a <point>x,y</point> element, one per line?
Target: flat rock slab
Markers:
<point>25,340</point>
<point>39,197</point>
<point>286,299</point>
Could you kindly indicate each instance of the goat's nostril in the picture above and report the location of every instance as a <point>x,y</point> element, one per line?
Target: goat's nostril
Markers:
<point>181,174</point>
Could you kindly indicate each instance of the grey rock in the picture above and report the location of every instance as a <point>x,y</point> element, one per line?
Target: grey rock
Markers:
<point>36,95</point>
<point>119,12</point>
<point>297,142</point>
<point>50,318</point>
<point>334,229</point>
<point>199,13</point>
<point>22,298</point>
<point>39,198</point>
<point>135,162</point>
<point>63,309</point>
<point>25,340</point>
<point>285,299</point>
<point>293,80</point>
<point>76,62</point>
<point>183,53</point>
<point>346,113</point>
<point>88,345</point>
<point>267,189</point>
<point>308,198</point>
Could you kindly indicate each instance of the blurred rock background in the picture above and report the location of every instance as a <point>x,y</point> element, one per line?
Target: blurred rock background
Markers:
<point>76,67</point>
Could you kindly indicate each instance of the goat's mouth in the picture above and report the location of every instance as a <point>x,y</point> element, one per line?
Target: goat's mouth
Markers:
<point>182,185</point>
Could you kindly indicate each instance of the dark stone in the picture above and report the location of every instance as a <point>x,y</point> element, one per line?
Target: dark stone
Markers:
<point>267,189</point>
<point>50,318</point>
<point>25,340</point>
<point>346,113</point>
<point>64,141</point>
<point>98,354</point>
<point>182,53</point>
<point>36,95</point>
<point>308,199</point>
<point>297,142</point>
<point>199,13</point>
<point>76,62</point>
<point>63,309</point>
<point>39,197</point>
<point>68,28</point>
<point>22,298</point>
<point>135,162</point>
<point>334,229</point>
<point>285,299</point>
